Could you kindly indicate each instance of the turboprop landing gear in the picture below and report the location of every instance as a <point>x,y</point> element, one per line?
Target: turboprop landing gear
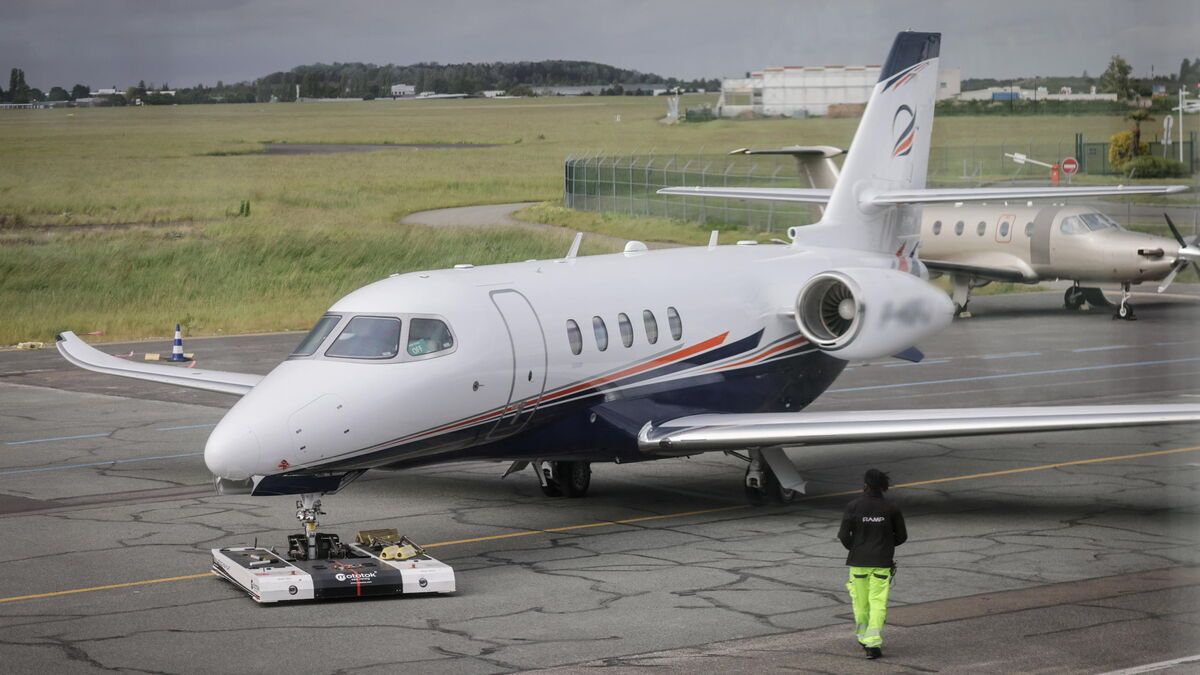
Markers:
<point>1125,309</point>
<point>1073,299</point>
<point>961,294</point>
<point>762,485</point>
<point>565,478</point>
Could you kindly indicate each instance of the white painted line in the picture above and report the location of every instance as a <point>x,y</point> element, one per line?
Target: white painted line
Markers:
<point>1014,355</point>
<point>927,362</point>
<point>1161,665</point>
<point>1003,376</point>
<point>187,426</point>
<point>57,438</point>
<point>1101,349</point>
<point>62,467</point>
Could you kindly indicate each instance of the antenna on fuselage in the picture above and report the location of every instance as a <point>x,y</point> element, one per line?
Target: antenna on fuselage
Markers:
<point>574,250</point>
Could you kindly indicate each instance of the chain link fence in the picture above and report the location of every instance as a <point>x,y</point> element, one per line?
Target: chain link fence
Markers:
<point>628,184</point>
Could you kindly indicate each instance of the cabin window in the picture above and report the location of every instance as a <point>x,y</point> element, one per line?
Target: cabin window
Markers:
<point>1004,229</point>
<point>428,336</point>
<point>1029,229</point>
<point>675,323</point>
<point>367,337</point>
<point>317,335</point>
<point>626,329</point>
<point>601,332</point>
<point>651,326</point>
<point>981,228</point>
<point>574,337</point>
<point>958,228</point>
<point>937,227</point>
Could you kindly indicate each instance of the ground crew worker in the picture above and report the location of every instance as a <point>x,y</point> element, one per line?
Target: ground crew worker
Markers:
<point>872,528</point>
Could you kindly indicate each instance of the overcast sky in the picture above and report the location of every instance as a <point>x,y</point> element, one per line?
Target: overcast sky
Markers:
<point>182,42</point>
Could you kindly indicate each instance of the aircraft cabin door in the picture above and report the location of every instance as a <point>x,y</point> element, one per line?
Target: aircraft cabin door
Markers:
<point>528,348</point>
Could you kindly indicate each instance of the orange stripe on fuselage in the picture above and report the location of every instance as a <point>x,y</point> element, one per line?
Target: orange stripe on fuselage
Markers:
<point>774,350</point>
<point>663,360</point>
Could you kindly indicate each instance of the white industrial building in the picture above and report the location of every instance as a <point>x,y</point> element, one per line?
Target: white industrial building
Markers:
<point>798,91</point>
<point>403,90</point>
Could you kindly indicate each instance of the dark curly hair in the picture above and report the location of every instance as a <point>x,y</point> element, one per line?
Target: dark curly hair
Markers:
<point>876,480</point>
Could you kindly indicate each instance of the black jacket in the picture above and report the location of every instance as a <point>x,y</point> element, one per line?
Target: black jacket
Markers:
<point>872,528</point>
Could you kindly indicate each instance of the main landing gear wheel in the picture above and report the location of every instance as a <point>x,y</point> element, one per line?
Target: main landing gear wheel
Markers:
<point>762,485</point>
<point>565,479</point>
<point>1073,299</point>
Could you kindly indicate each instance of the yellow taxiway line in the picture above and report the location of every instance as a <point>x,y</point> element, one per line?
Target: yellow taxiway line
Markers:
<point>644,519</point>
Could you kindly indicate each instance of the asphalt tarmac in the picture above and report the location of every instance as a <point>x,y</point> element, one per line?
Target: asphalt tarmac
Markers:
<point>1065,552</point>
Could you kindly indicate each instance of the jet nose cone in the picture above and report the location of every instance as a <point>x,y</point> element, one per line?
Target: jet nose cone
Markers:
<point>232,451</point>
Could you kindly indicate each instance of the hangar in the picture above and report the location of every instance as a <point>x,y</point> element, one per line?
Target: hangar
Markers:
<point>801,91</point>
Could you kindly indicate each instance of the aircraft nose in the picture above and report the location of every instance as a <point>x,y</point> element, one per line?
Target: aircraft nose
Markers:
<point>232,450</point>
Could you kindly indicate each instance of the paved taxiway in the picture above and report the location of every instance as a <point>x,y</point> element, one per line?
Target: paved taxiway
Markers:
<point>1064,552</point>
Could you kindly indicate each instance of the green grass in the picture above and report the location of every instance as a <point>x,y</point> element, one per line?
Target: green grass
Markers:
<point>667,230</point>
<point>123,219</point>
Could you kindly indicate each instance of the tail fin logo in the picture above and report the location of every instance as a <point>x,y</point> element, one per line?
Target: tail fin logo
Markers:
<point>906,121</point>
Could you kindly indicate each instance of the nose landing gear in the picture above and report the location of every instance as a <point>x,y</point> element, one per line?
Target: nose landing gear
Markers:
<point>1125,309</point>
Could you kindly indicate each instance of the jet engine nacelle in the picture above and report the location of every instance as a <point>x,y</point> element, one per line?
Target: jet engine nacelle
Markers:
<point>858,314</point>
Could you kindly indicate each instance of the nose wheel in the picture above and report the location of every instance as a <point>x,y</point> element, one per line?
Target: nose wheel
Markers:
<point>1125,309</point>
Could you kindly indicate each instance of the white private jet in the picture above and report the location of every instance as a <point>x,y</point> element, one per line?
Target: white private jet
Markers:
<point>626,357</point>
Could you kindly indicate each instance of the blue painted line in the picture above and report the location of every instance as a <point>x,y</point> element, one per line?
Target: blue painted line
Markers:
<point>1003,376</point>
<point>918,363</point>
<point>56,438</point>
<point>1101,349</point>
<point>1014,355</point>
<point>188,426</point>
<point>63,467</point>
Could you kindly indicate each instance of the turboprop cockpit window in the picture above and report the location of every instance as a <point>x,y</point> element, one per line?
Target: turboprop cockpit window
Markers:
<point>317,335</point>
<point>427,336</point>
<point>1098,221</point>
<point>1072,225</point>
<point>367,337</point>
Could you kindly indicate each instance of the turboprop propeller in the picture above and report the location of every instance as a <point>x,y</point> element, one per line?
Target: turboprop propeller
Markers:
<point>1188,253</point>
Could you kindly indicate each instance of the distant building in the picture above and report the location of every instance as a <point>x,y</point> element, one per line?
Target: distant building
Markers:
<point>492,93</point>
<point>799,91</point>
<point>403,90</point>
<point>1039,94</point>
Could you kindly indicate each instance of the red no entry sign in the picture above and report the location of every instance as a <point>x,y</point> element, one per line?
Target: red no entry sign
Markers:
<point>1070,166</point>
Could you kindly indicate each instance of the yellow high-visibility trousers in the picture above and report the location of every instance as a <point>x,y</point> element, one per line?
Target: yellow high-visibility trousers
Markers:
<point>868,588</point>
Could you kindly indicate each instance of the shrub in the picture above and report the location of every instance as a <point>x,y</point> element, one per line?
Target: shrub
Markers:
<point>1148,166</point>
<point>1120,149</point>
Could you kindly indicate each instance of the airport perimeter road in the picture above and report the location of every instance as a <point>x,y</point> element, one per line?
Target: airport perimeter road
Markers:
<point>1068,552</point>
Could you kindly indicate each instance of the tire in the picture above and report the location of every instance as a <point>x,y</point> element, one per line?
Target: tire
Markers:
<point>574,477</point>
<point>771,492</point>
<point>1073,299</point>
<point>552,489</point>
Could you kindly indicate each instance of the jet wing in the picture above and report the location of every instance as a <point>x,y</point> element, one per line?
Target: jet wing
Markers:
<point>703,433</point>
<point>803,195</point>
<point>822,151</point>
<point>925,196</point>
<point>85,356</point>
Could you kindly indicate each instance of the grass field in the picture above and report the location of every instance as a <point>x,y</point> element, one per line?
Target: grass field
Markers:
<point>124,219</point>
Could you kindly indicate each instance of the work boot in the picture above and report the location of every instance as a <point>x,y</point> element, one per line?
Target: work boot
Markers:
<point>874,653</point>
<point>864,646</point>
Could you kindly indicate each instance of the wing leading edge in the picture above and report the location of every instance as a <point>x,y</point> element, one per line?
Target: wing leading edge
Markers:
<point>703,433</point>
<point>85,356</point>
<point>924,196</point>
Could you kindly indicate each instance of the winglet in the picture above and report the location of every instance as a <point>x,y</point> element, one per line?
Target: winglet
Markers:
<point>574,250</point>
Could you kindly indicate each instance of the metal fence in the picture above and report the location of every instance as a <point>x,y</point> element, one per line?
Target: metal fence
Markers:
<point>628,184</point>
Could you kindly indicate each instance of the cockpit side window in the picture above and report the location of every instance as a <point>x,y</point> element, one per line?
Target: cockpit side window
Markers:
<point>317,335</point>
<point>1072,225</point>
<point>427,336</point>
<point>1098,221</point>
<point>367,337</point>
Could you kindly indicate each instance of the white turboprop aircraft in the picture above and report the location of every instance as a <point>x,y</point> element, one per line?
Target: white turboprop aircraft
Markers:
<point>625,357</point>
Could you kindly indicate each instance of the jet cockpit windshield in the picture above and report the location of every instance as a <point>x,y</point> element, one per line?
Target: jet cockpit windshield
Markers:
<point>367,337</point>
<point>317,335</point>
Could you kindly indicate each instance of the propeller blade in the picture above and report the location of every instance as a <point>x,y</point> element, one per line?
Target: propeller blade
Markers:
<point>1166,282</point>
<point>1174,230</point>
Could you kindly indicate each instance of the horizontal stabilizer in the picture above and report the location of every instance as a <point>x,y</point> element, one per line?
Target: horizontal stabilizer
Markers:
<point>804,195</point>
<point>702,433</point>
<point>823,151</point>
<point>85,356</point>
